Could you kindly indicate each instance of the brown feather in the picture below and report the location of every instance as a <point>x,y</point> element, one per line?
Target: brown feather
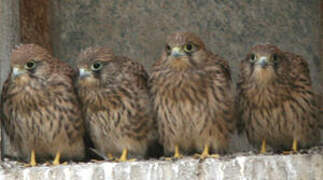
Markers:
<point>276,102</point>
<point>194,104</point>
<point>116,103</point>
<point>39,108</point>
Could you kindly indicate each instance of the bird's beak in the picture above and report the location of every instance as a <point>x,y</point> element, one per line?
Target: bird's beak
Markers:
<point>84,72</point>
<point>177,52</point>
<point>263,61</point>
<point>16,71</point>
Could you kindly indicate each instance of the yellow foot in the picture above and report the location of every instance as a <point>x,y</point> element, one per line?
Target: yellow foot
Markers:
<point>30,165</point>
<point>174,158</point>
<point>205,154</point>
<point>32,159</point>
<point>288,152</point>
<point>263,147</point>
<point>56,160</point>
<point>294,148</point>
<point>124,157</point>
<point>110,156</point>
<point>177,155</point>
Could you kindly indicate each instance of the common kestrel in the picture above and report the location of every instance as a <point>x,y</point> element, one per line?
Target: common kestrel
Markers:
<point>276,100</point>
<point>116,103</point>
<point>192,96</point>
<point>39,108</point>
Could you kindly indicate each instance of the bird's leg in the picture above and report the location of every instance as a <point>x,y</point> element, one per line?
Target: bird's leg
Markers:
<point>57,159</point>
<point>206,153</point>
<point>32,159</point>
<point>263,147</point>
<point>110,156</point>
<point>124,156</point>
<point>177,154</point>
<point>294,148</point>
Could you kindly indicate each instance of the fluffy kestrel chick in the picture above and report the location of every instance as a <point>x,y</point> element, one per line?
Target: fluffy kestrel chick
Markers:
<point>276,100</point>
<point>193,98</point>
<point>39,108</point>
<point>116,103</point>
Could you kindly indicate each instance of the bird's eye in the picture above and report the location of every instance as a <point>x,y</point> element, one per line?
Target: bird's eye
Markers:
<point>30,65</point>
<point>252,57</point>
<point>188,47</point>
<point>96,66</point>
<point>168,49</point>
<point>275,57</point>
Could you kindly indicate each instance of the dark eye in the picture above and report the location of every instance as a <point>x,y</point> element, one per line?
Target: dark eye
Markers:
<point>96,66</point>
<point>252,57</point>
<point>168,49</point>
<point>188,47</point>
<point>30,65</point>
<point>275,57</point>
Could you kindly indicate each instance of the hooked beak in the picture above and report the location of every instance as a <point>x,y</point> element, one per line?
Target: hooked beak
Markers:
<point>177,52</point>
<point>16,71</point>
<point>263,61</point>
<point>84,72</point>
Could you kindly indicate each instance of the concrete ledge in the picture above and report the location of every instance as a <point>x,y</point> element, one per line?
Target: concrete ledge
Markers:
<point>300,166</point>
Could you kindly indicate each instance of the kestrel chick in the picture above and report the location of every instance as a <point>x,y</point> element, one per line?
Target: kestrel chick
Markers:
<point>116,103</point>
<point>39,107</point>
<point>192,96</point>
<point>276,100</point>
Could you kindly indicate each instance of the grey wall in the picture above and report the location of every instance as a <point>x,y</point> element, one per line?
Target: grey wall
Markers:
<point>229,28</point>
<point>9,33</point>
<point>9,37</point>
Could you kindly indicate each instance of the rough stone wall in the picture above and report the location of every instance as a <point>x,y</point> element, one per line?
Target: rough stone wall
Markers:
<point>268,167</point>
<point>9,33</point>
<point>9,37</point>
<point>34,22</point>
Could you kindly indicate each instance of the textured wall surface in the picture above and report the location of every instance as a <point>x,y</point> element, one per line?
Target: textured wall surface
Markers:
<point>9,33</point>
<point>9,37</point>
<point>293,167</point>
<point>34,22</point>
<point>229,28</point>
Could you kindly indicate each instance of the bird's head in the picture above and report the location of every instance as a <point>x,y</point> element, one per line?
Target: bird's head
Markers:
<point>265,62</point>
<point>95,66</point>
<point>30,62</point>
<point>184,50</point>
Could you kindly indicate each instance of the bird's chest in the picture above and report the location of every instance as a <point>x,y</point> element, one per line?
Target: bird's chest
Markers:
<point>30,113</point>
<point>181,87</point>
<point>264,96</point>
<point>109,112</point>
<point>183,100</point>
<point>274,122</point>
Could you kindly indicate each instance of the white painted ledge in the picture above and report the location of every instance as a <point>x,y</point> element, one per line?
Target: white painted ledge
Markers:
<point>300,166</point>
